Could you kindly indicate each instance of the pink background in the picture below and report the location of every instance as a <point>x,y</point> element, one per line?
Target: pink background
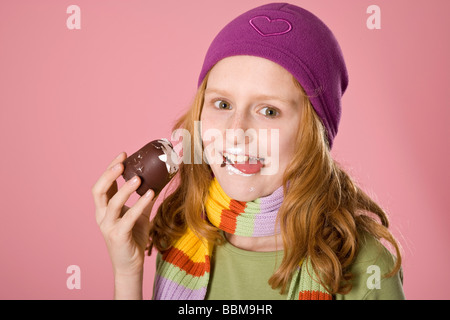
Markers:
<point>71,100</point>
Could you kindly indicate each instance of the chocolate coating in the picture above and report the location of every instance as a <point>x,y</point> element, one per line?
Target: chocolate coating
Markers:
<point>154,164</point>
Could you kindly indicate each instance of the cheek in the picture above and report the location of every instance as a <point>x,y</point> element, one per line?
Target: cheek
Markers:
<point>212,140</point>
<point>286,153</point>
<point>267,141</point>
<point>286,147</point>
<point>207,129</point>
<point>280,144</point>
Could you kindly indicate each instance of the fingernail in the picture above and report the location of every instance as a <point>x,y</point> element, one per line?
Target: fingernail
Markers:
<point>134,180</point>
<point>148,193</point>
<point>118,156</point>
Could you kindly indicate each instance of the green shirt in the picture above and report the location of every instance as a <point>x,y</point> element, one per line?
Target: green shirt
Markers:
<point>241,274</point>
<point>238,274</point>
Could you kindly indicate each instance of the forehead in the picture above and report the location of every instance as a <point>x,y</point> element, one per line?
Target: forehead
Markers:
<point>255,74</point>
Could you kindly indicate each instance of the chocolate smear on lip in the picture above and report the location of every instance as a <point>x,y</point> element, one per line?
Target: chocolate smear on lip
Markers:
<point>224,163</point>
<point>154,164</point>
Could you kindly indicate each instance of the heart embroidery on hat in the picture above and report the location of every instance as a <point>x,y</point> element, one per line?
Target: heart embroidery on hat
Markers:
<point>270,27</point>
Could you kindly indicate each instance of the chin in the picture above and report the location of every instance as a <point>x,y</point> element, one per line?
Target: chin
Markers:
<point>241,188</point>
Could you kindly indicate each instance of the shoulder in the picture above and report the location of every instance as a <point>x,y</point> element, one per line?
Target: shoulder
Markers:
<point>373,253</point>
<point>369,269</point>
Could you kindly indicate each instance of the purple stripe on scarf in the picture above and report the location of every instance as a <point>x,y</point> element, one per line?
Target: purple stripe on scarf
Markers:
<point>265,220</point>
<point>166,289</point>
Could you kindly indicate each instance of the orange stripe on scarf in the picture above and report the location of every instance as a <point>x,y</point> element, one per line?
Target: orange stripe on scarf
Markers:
<point>228,218</point>
<point>181,260</point>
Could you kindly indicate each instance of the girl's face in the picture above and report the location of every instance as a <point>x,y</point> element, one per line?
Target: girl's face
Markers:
<point>249,121</point>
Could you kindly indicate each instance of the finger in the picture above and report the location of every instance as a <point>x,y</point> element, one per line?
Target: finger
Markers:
<point>123,211</point>
<point>142,207</point>
<point>117,202</point>
<point>120,158</point>
<point>105,187</point>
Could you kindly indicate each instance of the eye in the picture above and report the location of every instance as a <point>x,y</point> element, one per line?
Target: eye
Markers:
<point>269,112</point>
<point>222,104</point>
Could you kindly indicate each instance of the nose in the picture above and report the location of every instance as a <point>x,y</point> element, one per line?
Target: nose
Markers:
<point>239,131</point>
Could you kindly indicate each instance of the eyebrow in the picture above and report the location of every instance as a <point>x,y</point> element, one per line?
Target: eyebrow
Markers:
<point>259,96</point>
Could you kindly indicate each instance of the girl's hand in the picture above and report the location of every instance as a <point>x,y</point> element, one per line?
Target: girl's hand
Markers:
<point>125,230</point>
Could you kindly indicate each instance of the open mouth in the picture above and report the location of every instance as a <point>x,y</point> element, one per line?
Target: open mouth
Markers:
<point>245,164</point>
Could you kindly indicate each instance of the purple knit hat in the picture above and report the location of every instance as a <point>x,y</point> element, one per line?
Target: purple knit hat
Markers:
<point>298,41</point>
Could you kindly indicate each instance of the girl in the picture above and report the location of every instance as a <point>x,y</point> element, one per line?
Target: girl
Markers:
<point>280,221</point>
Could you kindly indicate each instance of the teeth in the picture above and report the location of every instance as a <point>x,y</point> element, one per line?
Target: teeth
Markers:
<point>239,158</point>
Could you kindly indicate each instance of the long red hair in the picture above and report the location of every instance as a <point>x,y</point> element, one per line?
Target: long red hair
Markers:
<point>322,215</point>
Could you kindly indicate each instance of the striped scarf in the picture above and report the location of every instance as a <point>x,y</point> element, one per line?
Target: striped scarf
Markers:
<point>185,268</point>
